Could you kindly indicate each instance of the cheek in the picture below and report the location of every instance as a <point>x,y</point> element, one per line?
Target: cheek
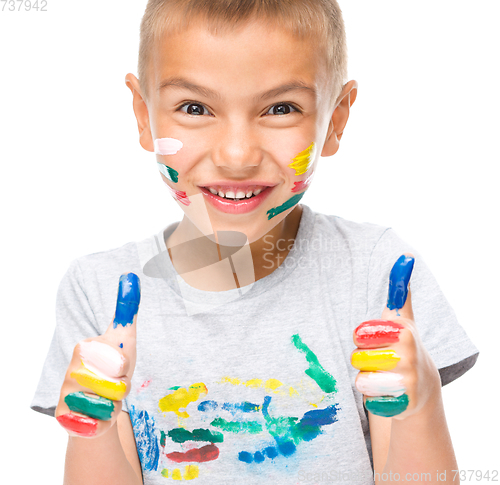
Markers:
<point>302,165</point>
<point>164,149</point>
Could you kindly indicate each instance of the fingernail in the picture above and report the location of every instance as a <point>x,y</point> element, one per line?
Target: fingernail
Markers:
<point>129,297</point>
<point>398,282</point>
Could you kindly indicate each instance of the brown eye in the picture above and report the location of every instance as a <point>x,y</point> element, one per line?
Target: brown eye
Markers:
<point>194,109</point>
<point>281,109</point>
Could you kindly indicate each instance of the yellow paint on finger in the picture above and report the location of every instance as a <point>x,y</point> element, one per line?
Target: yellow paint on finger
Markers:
<point>302,161</point>
<point>110,390</point>
<point>374,360</point>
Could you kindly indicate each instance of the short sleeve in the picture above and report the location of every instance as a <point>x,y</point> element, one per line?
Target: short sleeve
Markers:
<point>75,321</point>
<point>438,327</point>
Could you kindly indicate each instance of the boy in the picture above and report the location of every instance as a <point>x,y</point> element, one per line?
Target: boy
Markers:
<point>237,366</point>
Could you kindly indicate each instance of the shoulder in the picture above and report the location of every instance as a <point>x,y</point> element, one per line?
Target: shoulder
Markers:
<point>346,234</point>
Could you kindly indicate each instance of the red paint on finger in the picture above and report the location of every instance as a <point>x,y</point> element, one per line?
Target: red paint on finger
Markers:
<point>198,455</point>
<point>79,425</point>
<point>378,332</point>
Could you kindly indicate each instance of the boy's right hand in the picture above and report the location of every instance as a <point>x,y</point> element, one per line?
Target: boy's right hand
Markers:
<point>99,374</point>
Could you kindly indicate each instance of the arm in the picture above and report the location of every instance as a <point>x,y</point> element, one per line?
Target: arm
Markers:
<point>107,459</point>
<point>420,444</point>
<point>402,392</point>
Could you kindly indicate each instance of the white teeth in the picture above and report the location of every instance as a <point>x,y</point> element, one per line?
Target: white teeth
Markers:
<point>249,194</point>
<point>230,194</point>
<point>240,194</point>
<point>257,192</point>
<point>212,190</point>
<point>221,194</point>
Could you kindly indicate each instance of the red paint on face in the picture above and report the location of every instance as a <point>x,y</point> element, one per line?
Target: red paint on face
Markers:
<point>79,425</point>
<point>197,455</point>
<point>179,195</point>
<point>303,184</point>
<point>377,332</point>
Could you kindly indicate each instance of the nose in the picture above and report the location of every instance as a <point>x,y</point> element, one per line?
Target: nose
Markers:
<point>236,147</point>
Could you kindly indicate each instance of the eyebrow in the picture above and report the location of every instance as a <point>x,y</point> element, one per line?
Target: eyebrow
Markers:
<point>178,82</point>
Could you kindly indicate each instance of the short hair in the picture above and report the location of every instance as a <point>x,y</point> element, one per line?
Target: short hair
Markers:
<point>305,19</point>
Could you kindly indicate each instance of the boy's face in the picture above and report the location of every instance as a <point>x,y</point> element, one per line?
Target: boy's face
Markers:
<point>239,111</point>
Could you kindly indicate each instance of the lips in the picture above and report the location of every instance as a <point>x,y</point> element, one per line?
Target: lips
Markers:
<point>241,206</point>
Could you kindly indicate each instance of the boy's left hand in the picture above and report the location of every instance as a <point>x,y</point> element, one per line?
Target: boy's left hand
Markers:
<point>398,377</point>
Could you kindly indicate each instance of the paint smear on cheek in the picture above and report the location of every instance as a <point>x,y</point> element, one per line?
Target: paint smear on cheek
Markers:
<point>102,359</point>
<point>303,184</point>
<point>79,425</point>
<point>285,206</point>
<point>303,160</point>
<point>167,146</point>
<point>179,196</point>
<point>380,384</point>
<point>168,172</point>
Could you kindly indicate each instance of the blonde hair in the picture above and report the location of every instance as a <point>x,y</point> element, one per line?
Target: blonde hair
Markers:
<point>306,19</point>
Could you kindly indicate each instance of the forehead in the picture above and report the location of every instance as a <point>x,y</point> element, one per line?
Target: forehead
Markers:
<point>249,59</point>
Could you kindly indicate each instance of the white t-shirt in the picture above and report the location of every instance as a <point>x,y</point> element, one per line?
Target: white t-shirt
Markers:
<point>253,385</point>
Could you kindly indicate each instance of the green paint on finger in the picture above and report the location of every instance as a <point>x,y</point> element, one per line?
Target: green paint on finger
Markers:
<point>387,406</point>
<point>95,407</point>
<point>283,207</point>
<point>325,381</point>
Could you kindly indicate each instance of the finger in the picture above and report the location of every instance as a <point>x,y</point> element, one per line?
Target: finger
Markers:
<point>127,306</point>
<point>387,406</point>
<point>374,360</point>
<point>377,384</point>
<point>377,333</point>
<point>399,298</point>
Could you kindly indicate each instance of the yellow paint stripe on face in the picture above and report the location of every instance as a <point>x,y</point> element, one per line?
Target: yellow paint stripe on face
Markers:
<point>111,390</point>
<point>302,161</point>
<point>374,360</point>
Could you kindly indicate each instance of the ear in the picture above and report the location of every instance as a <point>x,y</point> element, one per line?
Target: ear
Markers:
<point>339,118</point>
<point>141,113</point>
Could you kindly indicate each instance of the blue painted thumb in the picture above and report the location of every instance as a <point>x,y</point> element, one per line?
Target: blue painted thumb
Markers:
<point>127,302</point>
<point>399,281</point>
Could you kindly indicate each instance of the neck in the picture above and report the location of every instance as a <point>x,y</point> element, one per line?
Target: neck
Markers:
<point>206,263</point>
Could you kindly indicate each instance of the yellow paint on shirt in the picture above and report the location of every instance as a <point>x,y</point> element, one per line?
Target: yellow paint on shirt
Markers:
<point>254,383</point>
<point>273,384</point>
<point>302,161</point>
<point>176,474</point>
<point>102,387</point>
<point>293,391</point>
<point>191,471</point>
<point>231,380</point>
<point>181,397</point>
<point>374,360</point>
<point>164,473</point>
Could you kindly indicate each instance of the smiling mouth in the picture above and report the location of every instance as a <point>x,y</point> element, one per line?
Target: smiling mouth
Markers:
<point>235,195</point>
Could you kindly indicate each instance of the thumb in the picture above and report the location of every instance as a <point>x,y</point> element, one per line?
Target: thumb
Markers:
<point>123,326</point>
<point>399,297</point>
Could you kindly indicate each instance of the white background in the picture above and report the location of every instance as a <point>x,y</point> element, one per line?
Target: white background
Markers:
<point>419,154</point>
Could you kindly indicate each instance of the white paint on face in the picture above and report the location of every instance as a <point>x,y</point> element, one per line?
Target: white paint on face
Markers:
<point>167,146</point>
<point>375,384</point>
<point>102,359</point>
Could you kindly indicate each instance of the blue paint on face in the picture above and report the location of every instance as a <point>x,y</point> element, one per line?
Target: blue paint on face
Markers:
<point>121,346</point>
<point>145,438</point>
<point>129,297</point>
<point>398,282</point>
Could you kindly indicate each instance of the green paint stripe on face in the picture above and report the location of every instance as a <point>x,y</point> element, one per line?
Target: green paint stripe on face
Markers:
<point>387,406</point>
<point>283,207</point>
<point>95,407</point>
<point>325,381</point>
<point>180,435</point>
<point>170,173</point>
<point>252,427</point>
